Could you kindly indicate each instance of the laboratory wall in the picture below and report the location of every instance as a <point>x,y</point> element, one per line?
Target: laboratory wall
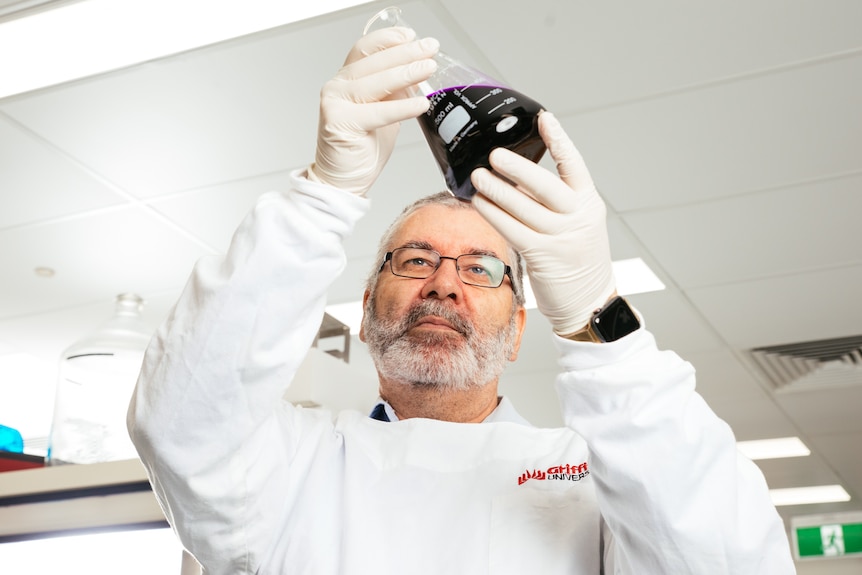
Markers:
<point>844,566</point>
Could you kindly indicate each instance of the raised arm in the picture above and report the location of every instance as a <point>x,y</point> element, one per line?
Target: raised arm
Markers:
<point>207,415</point>
<point>671,487</point>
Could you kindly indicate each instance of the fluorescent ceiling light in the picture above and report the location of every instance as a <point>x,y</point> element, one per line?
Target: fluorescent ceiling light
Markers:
<point>808,495</point>
<point>91,37</point>
<point>633,276</point>
<point>773,448</point>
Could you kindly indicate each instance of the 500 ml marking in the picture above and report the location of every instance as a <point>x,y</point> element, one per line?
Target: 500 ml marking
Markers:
<point>439,118</point>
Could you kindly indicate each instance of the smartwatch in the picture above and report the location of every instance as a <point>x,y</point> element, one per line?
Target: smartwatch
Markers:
<point>615,320</point>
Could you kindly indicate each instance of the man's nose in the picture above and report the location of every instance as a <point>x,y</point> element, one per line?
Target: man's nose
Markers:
<point>444,282</point>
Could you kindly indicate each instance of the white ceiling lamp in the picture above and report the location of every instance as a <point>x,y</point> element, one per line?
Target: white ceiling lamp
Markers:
<point>777,448</point>
<point>635,276</point>
<point>89,37</point>
<point>809,495</point>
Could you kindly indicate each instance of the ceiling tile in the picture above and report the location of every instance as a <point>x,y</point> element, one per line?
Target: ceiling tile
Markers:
<point>213,213</point>
<point>784,309</point>
<point>580,55</point>
<point>829,411</point>
<point>777,232</point>
<point>793,126</point>
<point>797,471</point>
<point>755,419</point>
<point>38,183</point>
<point>836,446</point>
<point>95,258</point>
<point>675,323</point>
<point>843,451</point>
<point>721,378</point>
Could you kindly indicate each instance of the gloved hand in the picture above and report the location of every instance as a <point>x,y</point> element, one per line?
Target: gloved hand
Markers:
<point>557,223</point>
<point>361,106</point>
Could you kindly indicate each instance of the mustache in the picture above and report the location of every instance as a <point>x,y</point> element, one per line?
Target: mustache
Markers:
<point>436,308</point>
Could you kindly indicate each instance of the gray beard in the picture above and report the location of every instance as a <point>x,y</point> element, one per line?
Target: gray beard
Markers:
<point>439,360</point>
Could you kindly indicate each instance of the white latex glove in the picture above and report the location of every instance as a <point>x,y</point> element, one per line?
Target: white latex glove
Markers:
<point>361,106</point>
<point>556,222</point>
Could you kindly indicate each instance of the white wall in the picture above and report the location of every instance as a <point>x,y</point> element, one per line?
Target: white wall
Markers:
<point>830,567</point>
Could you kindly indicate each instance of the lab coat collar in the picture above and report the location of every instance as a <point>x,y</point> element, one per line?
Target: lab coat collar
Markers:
<point>504,412</point>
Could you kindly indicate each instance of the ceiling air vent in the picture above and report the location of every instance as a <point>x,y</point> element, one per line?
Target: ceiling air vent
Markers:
<point>813,364</point>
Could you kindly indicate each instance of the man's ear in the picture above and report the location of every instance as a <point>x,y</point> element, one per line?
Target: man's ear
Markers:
<point>365,297</point>
<point>520,325</point>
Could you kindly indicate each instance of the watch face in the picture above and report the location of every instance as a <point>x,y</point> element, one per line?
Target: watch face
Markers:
<point>616,320</point>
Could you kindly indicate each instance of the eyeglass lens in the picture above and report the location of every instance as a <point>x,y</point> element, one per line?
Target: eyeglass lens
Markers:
<point>473,269</point>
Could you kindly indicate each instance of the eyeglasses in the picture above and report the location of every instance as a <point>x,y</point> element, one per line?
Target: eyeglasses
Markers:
<point>473,269</point>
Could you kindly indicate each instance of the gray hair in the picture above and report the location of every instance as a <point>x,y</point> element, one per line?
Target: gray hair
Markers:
<point>448,200</point>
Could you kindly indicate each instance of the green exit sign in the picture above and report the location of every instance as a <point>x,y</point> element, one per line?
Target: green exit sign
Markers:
<point>833,540</point>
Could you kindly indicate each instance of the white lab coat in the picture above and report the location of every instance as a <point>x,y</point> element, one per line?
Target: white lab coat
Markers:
<point>644,479</point>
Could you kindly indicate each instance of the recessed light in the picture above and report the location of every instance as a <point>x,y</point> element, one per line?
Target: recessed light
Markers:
<point>776,448</point>
<point>809,495</point>
<point>635,276</point>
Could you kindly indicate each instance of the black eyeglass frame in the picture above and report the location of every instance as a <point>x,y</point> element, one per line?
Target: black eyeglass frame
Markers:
<point>507,270</point>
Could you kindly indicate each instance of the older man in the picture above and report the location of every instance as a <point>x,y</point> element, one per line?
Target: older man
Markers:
<point>445,477</point>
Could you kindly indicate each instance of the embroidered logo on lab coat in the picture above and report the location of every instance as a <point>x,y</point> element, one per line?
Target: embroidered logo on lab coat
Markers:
<point>565,472</point>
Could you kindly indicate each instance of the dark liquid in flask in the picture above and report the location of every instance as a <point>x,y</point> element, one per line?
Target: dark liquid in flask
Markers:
<point>464,124</point>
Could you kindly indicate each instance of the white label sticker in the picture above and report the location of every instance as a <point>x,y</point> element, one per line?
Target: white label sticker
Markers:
<point>452,123</point>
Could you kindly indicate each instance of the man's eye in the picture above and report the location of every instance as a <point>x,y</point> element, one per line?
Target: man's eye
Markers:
<point>417,262</point>
<point>477,271</point>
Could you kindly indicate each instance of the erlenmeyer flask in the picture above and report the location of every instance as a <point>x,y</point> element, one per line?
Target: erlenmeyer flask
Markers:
<point>470,115</point>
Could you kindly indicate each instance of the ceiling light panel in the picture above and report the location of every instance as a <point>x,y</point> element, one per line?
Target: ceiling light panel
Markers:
<point>777,448</point>
<point>808,495</point>
<point>91,37</point>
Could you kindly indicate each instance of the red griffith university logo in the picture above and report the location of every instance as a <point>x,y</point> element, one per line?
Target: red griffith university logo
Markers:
<point>565,472</point>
